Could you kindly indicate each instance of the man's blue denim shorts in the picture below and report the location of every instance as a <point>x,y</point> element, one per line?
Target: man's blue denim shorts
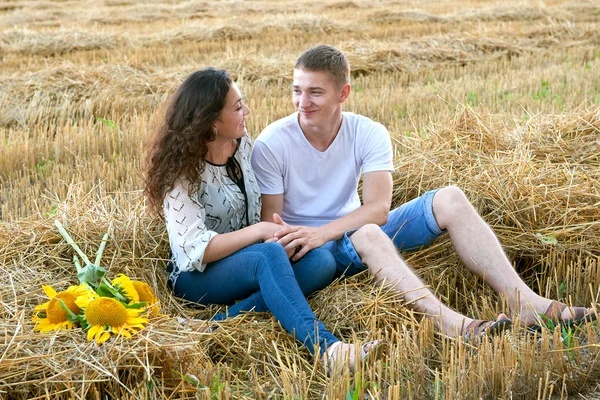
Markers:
<point>411,227</point>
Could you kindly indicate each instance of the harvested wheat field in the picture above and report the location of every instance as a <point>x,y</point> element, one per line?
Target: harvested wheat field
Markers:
<point>499,98</point>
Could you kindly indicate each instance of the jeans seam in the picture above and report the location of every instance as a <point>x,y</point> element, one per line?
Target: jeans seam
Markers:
<point>431,222</point>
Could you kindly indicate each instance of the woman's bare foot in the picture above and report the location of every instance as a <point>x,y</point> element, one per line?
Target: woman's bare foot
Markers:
<point>345,353</point>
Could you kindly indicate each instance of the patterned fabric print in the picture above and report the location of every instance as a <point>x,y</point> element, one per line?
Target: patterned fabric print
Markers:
<point>218,207</point>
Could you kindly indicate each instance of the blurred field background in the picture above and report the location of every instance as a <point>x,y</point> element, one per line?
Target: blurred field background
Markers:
<point>499,98</point>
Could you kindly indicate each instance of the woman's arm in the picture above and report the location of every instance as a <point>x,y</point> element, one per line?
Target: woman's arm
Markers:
<point>193,244</point>
<point>226,244</point>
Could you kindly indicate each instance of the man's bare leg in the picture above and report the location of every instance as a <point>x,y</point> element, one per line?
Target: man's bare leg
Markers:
<point>481,252</point>
<point>378,252</point>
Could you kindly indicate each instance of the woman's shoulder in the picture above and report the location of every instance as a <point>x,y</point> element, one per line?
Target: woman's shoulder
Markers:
<point>245,145</point>
<point>181,193</point>
<point>246,141</point>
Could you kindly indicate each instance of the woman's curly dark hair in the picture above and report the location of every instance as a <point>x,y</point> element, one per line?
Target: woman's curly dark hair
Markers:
<point>179,148</point>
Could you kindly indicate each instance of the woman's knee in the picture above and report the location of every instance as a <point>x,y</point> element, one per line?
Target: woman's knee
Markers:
<point>269,255</point>
<point>269,250</point>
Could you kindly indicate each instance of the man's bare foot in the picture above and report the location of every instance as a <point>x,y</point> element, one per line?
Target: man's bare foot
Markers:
<point>560,313</point>
<point>479,328</point>
<point>534,314</point>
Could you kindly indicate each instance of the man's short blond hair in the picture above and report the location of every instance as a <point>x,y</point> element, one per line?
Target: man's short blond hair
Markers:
<point>327,59</point>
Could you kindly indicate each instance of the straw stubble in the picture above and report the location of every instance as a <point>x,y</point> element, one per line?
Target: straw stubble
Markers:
<point>499,100</point>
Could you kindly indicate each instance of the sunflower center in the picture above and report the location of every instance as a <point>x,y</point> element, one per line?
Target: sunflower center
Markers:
<point>144,291</point>
<point>55,312</point>
<point>106,311</point>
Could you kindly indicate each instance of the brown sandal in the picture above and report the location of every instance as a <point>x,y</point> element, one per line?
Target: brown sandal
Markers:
<point>554,313</point>
<point>480,328</point>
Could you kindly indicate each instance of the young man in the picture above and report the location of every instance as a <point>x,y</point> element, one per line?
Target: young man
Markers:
<point>308,167</point>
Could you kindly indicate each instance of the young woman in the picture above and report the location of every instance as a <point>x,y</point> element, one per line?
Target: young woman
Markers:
<point>200,180</point>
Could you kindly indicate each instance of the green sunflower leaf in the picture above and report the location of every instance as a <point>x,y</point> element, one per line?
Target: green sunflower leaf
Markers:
<point>71,316</point>
<point>547,239</point>
<point>91,275</point>
<point>85,325</point>
<point>137,305</point>
<point>105,290</point>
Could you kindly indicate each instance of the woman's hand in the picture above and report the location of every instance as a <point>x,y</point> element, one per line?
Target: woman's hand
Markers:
<point>267,233</point>
<point>267,230</point>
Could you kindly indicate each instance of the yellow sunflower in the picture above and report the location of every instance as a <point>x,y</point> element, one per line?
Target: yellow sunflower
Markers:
<point>147,294</point>
<point>106,315</point>
<point>137,291</point>
<point>124,285</point>
<point>54,317</point>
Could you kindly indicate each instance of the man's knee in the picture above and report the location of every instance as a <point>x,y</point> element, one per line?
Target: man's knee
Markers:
<point>449,203</point>
<point>369,236</point>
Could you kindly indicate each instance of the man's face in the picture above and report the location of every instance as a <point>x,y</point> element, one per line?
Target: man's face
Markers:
<point>316,97</point>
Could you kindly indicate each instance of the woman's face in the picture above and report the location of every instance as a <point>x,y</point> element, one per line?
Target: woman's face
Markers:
<point>231,123</point>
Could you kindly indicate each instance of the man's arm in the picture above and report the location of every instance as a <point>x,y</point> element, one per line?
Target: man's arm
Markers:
<point>377,199</point>
<point>271,204</point>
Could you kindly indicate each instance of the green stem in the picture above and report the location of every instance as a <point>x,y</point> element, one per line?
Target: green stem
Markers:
<point>77,263</point>
<point>102,245</point>
<point>67,237</point>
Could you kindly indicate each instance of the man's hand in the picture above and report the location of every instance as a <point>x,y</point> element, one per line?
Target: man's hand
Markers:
<point>298,240</point>
<point>273,227</point>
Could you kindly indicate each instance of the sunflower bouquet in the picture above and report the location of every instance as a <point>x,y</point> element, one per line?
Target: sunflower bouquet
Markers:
<point>97,305</point>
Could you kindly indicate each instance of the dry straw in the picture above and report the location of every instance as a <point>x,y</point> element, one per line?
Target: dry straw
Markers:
<point>81,87</point>
<point>252,357</point>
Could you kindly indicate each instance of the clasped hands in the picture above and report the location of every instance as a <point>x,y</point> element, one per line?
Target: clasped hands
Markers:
<point>297,240</point>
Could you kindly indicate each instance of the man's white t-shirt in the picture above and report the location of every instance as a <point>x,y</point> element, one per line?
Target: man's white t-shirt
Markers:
<point>319,187</point>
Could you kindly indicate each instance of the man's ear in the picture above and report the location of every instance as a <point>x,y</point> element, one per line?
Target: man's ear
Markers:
<point>345,93</point>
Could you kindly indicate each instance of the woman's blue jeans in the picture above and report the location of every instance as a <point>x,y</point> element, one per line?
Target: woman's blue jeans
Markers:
<point>263,277</point>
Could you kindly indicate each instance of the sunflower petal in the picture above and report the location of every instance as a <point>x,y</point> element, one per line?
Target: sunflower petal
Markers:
<point>93,331</point>
<point>50,292</point>
<point>136,326</point>
<point>137,321</point>
<point>40,325</point>
<point>47,326</point>
<point>67,325</point>
<point>83,301</point>
<point>125,286</point>
<point>103,338</point>
<point>41,307</point>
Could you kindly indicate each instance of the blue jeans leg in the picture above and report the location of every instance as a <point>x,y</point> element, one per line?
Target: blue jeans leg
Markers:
<point>412,226</point>
<point>313,272</point>
<point>263,267</point>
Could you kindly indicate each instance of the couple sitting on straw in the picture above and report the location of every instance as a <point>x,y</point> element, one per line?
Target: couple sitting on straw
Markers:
<point>208,182</point>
